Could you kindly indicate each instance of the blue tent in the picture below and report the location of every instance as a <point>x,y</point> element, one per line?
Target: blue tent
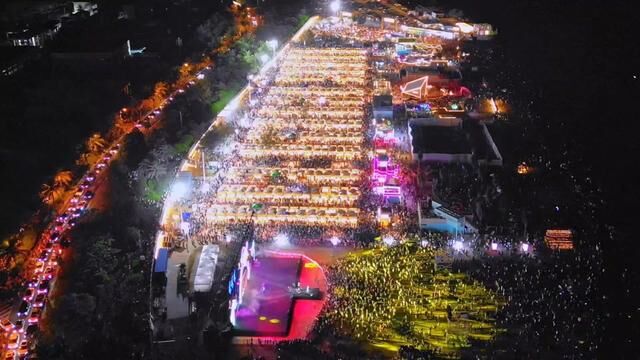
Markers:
<point>162,260</point>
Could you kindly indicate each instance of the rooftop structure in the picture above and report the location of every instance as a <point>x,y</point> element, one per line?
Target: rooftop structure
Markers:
<point>447,139</point>
<point>206,268</point>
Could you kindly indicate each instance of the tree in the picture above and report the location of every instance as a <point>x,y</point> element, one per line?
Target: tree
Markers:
<point>210,32</point>
<point>122,125</point>
<point>146,105</point>
<point>160,92</point>
<point>164,153</point>
<point>63,178</point>
<point>73,317</point>
<point>134,147</point>
<point>96,143</point>
<point>152,170</point>
<point>50,194</point>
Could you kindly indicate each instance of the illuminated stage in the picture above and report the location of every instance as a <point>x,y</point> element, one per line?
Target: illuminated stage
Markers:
<point>269,305</point>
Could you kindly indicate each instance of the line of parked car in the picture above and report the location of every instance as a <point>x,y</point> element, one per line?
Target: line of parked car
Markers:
<point>20,334</point>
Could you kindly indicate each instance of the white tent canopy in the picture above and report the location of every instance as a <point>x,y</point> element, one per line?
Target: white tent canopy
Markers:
<point>206,268</point>
<point>416,88</point>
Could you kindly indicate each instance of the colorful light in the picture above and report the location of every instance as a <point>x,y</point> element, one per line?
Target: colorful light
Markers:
<point>458,245</point>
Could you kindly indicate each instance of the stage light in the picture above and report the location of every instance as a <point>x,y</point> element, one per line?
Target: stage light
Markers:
<point>179,190</point>
<point>494,246</point>
<point>185,227</point>
<point>281,240</point>
<point>388,240</point>
<point>524,247</point>
<point>273,44</point>
<point>335,6</point>
<point>334,241</point>
<point>458,245</point>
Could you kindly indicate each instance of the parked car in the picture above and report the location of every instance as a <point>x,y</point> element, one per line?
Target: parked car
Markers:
<point>6,325</point>
<point>33,283</point>
<point>49,272</point>
<point>35,315</point>
<point>19,326</point>
<point>43,288</point>
<point>38,302</point>
<point>24,348</point>
<point>55,236</point>
<point>24,308</point>
<point>29,294</point>
<point>13,340</point>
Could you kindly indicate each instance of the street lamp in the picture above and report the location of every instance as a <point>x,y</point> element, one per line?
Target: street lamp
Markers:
<point>335,6</point>
<point>273,44</point>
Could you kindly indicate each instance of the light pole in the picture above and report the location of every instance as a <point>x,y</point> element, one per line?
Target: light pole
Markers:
<point>335,6</point>
<point>273,44</point>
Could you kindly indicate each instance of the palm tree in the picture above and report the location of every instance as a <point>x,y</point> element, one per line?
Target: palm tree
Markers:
<point>123,126</point>
<point>96,143</point>
<point>50,194</point>
<point>160,92</point>
<point>152,170</point>
<point>147,105</point>
<point>63,178</point>
<point>163,153</point>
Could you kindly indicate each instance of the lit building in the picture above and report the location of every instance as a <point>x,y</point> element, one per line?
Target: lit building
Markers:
<point>34,36</point>
<point>559,239</point>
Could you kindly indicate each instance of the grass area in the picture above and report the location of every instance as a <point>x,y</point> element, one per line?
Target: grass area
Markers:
<point>182,147</point>
<point>225,96</point>
<point>152,191</point>
<point>392,297</point>
<point>302,19</point>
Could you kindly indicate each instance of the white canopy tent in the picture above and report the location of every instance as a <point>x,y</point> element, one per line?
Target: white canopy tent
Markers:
<point>416,88</point>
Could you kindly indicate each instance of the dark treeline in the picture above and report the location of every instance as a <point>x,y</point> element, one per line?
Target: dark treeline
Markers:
<point>50,107</point>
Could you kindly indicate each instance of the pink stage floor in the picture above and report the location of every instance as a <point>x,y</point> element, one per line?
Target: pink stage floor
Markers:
<point>268,312</point>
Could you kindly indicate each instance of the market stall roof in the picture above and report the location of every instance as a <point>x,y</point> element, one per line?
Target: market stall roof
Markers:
<point>206,268</point>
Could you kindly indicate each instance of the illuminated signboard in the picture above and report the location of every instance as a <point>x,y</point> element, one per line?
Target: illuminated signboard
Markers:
<point>559,239</point>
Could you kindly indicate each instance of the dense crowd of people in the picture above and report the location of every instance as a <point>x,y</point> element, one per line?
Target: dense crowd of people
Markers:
<point>390,296</point>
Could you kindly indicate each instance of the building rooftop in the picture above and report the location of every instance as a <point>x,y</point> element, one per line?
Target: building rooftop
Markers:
<point>440,140</point>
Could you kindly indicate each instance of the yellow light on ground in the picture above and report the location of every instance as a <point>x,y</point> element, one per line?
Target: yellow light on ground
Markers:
<point>464,27</point>
<point>524,169</point>
<point>494,106</point>
<point>262,318</point>
<point>310,265</point>
<point>274,321</point>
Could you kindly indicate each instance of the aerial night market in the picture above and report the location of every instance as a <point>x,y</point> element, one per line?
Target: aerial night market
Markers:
<point>317,179</point>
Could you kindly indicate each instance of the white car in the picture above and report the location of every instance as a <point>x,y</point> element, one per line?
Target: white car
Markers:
<point>13,341</point>
<point>7,325</point>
